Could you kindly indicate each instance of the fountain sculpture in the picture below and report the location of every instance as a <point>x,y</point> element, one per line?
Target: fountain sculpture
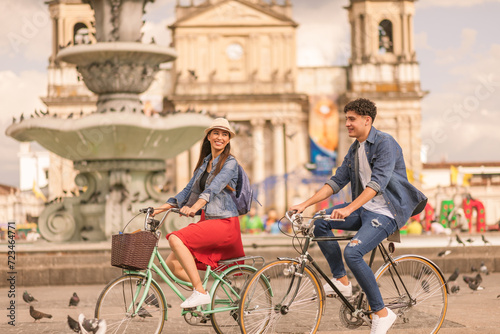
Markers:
<point>119,152</point>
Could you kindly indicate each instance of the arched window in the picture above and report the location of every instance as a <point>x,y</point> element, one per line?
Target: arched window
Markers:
<point>385,44</point>
<point>80,34</point>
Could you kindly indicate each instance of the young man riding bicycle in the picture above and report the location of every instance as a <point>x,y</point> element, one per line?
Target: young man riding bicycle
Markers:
<point>383,201</point>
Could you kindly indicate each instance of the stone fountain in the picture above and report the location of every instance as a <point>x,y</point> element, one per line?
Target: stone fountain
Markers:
<point>119,152</point>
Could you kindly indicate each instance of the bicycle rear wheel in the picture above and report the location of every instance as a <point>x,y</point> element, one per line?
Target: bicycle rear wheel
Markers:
<point>227,321</point>
<point>420,307</point>
<point>116,305</point>
<point>265,305</point>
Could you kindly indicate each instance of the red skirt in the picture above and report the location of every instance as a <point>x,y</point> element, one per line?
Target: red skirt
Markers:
<point>212,240</point>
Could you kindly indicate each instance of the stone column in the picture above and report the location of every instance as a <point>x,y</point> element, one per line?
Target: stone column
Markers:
<point>404,34</point>
<point>279,166</point>
<point>259,160</point>
<point>183,174</point>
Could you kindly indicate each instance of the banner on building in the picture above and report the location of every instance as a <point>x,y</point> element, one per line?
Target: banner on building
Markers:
<point>323,134</point>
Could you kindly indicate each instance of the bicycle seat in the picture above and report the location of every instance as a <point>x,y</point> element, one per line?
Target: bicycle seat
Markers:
<point>395,237</point>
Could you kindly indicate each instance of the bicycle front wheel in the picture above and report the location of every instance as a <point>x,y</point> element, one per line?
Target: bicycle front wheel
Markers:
<point>226,298</point>
<point>279,300</point>
<point>419,298</point>
<point>118,302</point>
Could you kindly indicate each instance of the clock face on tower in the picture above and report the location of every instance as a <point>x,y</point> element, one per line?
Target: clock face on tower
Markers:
<point>234,51</point>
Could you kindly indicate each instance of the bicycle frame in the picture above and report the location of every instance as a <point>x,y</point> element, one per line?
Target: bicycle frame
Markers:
<point>170,279</point>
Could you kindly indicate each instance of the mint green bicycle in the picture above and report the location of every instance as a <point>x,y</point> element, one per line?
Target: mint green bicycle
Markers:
<point>135,302</point>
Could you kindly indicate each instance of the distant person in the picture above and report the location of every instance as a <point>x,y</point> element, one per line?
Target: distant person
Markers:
<point>383,201</point>
<point>217,235</point>
<point>273,225</point>
<point>414,227</point>
<point>251,222</point>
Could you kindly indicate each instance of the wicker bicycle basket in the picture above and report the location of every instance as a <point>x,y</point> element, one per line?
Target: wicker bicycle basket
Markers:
<point>132,251</point>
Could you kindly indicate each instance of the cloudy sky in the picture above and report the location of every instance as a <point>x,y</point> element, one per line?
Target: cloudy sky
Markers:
<point>457,45</point>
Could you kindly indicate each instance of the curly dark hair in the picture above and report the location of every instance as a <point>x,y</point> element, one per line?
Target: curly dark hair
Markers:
<point>363,107</point>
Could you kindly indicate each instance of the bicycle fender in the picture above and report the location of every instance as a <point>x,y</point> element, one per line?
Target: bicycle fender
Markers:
<point>422,258</point>
<point>224,273</point>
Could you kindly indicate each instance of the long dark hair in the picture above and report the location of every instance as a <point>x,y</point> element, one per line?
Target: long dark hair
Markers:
<point>206,149</point>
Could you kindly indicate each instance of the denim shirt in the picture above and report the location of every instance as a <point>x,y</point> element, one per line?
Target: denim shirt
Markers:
<point>219,202</point>
<point>388,179</point>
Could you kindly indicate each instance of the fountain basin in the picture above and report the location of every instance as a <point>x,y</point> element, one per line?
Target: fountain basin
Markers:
<point>125,67</point>
<point>114,135</point>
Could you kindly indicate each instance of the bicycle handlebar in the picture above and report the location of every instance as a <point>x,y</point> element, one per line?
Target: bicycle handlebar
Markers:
<point>154,223</point>
<point>297,220</point>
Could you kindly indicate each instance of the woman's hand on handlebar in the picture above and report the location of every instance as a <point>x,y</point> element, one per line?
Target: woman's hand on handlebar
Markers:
<point>161,209</point>
<point>188,211</point>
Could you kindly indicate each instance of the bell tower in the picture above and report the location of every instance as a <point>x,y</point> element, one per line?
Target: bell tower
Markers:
<point>383,68</point>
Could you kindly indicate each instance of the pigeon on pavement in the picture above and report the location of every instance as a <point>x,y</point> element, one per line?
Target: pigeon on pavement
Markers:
<point>444,253</point>
<point>94,326</point>
<point>73,324</point>
<point>74,300</point>
<point>152,300</point>
<point>453,277</point>
<point>459,240</point>
<point>37,315</point>
<point>143,313</point>
<point>483,269</point>
<point>28,298</point>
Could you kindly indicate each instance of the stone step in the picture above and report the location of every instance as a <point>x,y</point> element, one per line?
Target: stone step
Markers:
<point>90,263</point>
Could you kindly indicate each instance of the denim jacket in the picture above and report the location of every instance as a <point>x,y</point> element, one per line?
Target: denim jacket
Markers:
<point>219,201</point>
<point>388,179</point>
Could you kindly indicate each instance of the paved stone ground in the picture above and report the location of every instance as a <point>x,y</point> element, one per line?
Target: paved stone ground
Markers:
<point>468,311</point>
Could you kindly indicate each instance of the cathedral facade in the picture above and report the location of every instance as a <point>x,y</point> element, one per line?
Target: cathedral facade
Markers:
<point>237,59</point>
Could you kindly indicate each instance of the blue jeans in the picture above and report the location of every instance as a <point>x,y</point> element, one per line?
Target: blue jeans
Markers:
<point>372,229</point>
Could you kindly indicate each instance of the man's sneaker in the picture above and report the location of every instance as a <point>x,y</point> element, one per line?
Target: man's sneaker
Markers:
<point>382,325</point>
<point>345,289</point>
<point>196,299</point>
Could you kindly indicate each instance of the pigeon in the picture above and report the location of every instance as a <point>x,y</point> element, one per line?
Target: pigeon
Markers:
<point>444,253</point>
<point>426,286</point>
<point>459,240</point>
<point>73,324</point>
<point>473,269</point>
<point>484,239</point>
<point>28,298</point>
<point>37,315</point>
<point>483,269</point>
<point>470,240</point>
<point>455,289</point>
<point>143,313</point>
<point>453,277</point>
<point>474,286</point>
<point>468,279</point>
<point>478,279</point>
<point>94,326</point>
<point>74,300</point>
<point>152,300</point>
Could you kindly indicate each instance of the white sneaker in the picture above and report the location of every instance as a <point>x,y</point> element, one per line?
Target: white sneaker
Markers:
<point>196,299</point>
<point>345,289</point>
<point>382,325</point>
